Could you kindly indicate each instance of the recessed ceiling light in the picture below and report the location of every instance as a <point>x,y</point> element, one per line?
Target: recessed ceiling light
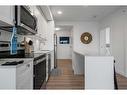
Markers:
<point>57,29</point>
<point>59,12</point>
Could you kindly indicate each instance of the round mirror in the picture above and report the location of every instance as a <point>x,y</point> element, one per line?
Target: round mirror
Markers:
<point>86,38</point>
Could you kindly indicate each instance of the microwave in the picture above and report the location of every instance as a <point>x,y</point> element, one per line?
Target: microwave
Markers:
<point>25,22</point>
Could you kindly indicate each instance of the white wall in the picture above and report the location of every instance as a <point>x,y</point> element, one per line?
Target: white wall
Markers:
<point>78,29</point>
<point>78,63</point>
<point>91,27</point>
<point>117,21</point>
<point>49,35</point>
<point>64,51</point>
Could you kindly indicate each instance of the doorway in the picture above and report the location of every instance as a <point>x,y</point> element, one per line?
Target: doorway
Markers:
<point>64,42</point>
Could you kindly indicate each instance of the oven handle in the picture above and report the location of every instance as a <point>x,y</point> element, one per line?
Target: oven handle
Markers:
<point>40,61</point>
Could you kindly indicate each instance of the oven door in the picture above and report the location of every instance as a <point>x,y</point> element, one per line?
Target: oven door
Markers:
<point>39,73</point>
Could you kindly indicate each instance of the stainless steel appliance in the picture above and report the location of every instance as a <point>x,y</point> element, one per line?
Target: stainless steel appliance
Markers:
<point>39,72</point>
<point>49,64</point>
<point>25,21</point>
<point>55,51</point>
<point>56,71</point>
<point>6,53</point>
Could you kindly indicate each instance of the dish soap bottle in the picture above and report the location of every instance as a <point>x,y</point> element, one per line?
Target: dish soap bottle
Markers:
<point>13,47</point>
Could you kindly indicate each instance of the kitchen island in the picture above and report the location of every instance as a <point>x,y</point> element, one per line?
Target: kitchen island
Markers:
<point>98,70</point>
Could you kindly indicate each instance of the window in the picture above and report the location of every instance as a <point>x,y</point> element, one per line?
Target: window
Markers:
<point>108,35</point>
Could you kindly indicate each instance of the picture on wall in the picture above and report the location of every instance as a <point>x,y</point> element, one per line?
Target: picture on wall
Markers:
<point>64,40</point>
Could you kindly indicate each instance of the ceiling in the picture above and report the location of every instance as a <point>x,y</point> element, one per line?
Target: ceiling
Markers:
<point>82,13</point>
<point>67,28</point>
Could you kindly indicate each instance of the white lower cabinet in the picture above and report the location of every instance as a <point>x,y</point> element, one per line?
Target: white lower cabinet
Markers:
<point>17,77</point>
<point>99,72</point>
<point>24,76</point>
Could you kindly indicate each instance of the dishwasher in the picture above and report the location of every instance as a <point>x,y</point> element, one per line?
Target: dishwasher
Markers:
<point>39,72</point>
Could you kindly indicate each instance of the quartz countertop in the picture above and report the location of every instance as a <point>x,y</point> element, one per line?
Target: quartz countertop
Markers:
<point>2,61</point>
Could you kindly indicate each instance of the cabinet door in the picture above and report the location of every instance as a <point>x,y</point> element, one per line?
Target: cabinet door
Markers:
<point>25,76</point>
<point>6,15</point>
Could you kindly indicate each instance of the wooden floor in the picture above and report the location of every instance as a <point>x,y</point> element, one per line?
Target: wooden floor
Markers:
<point>122,82</point>
<point>67,79</point>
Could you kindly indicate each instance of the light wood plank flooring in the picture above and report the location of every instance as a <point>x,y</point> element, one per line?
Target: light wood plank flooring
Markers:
<point>122,82</point>
<point>67,79</point>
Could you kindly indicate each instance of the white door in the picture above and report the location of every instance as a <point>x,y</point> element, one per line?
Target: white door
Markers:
<point>64,51</point>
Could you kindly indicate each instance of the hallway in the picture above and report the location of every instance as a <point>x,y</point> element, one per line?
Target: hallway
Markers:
<point>67,79</point>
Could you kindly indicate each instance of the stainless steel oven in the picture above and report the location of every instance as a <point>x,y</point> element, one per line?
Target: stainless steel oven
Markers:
<point>39,72</point>
<point>25,21</point>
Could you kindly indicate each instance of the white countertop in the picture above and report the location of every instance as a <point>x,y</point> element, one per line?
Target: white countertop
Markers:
<point>26,60</point>
<point>43,51</point>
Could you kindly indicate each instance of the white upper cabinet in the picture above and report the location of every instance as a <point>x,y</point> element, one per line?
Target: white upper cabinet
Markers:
<point>6,15</point>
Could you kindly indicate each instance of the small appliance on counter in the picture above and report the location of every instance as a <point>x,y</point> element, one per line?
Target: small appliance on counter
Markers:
<point>27,45</point>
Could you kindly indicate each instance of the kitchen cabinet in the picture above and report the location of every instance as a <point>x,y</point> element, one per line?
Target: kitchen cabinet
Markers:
<point>24,76</point>
<point>32,10</point>
<point>48,65</point>
<point>6,15</point>
<point>99,72</point>
<point>17,76</point>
